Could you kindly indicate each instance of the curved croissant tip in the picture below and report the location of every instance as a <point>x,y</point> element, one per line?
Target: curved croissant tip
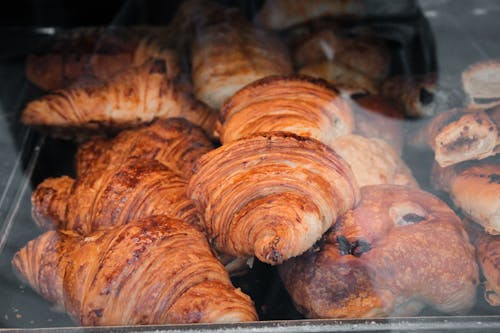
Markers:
<point>269,249</point>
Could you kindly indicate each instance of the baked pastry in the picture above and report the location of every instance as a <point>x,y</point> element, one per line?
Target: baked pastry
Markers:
<point>174,142</point>
<point>488,256</point>
<point>458,135</point>
<point>481,83</point>
<point>137,96</point>
<point>474,187</point>
<point>271,195</point>
<point>397,251</point>
<point>379,118</point>
<point>282,14</point>
<point>105,198</point>
<point>298,104</point>
<point>416,94</point>
<point>96,52</point>
<point>373,161</point>
<point>342,77</point>
<point>362,53</point>
<point>218,71</point>
<point>152,271</point>
<point>494,114</point>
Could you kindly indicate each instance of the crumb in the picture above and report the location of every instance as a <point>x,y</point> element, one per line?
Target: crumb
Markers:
<point>6,317</point>
<point>50,319</point>
<point>15,310</point>
<point>32,322</point>
<point>18,316</point>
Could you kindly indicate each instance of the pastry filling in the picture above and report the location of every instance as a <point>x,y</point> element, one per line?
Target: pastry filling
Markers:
<point>356,248</point>
<point>478,100</point>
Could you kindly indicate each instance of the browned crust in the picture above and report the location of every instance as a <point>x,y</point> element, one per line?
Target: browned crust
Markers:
<point>379,258</point>
<point>134,274</point>
<point>274,213</point>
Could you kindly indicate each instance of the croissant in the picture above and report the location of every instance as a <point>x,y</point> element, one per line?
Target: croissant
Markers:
<point>152,271</point>
<point>342,77</point>
<point>474,187</point>
<point>373,161</point>
<point>271,195</point>
<point>173,142</point>
<point>458,135</point>
<point>481,84</point>
<point>96,52</point>
<point>218,71</point>
<point>104,198</point>
<point>298,104</point>
<point>377,117</point>
<point>362,53</point>
<point>416,94</point>
<point>130,98</point>
<point>398,250</point>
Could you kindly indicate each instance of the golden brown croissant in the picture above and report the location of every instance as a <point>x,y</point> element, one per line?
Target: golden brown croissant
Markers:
<point>364,54</point>
<point>373,161</point>
<point>104,198</point>
<point>458,135</point>
<point>281,14</point>
<point>152,271</point>
<point>342,77</point>
<point>231,54</point>
<point>96,52</point>
<point>474,187</point>
<point>130,98</point>
<point>298,104</point>
<point>271,195</point>
<point>377,117</point>
<point>174,142</point>
<point>416,94</point>
<point>488,257</point>
<point>399,249</point>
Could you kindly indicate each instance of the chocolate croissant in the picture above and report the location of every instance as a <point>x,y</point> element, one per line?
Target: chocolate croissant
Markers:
<point>398,250</point>
<point>96,52</point>
<point>173,142</point>
<point>271,195</point>
<point>152,271</point>
<point>458,135</point>
<point>298,104</point>
<point>474,187</point>
<point>104,198</point>
<point>130,98</point>
<point>231,54</point>
<point>373,161</point>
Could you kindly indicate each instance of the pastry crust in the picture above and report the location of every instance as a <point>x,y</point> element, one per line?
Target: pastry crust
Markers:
<point>459,135</point>
<point>488,257</point>
<point>416,94</point>
<point>271,195</point>
<point>481,83</point>
<point>379,258</point>
<point>131,98</point>
<point>475,189</point>
<point>342,77</point>
<point>174,142</point>
<point>218,71</point>
<point>97,52</point>
<point>282,14</point>
<point>297,104</point>
<point>152,271</point>
<point>373,161</point>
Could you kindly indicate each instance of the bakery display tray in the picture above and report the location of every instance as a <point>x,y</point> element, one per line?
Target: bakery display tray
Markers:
<point>434,39</point>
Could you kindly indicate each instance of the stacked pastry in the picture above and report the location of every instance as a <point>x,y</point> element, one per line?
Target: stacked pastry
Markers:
<point>123,229</point>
